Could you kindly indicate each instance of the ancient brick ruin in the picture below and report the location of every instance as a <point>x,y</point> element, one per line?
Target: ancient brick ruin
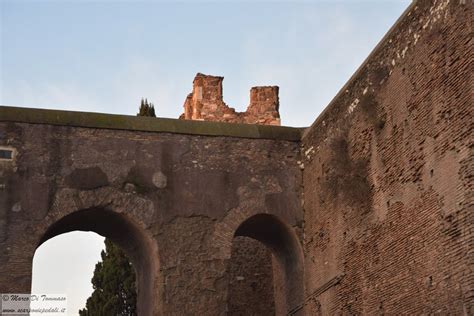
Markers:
<point>206,103</point>
<point>368,211</point>
<point>250,269</point>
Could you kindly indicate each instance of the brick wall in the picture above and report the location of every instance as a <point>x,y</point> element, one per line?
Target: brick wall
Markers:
<point>206,103</point>
<point>251,284</point>
<point>161,196</point>
<point>387,188</point>
<point>388,173</point>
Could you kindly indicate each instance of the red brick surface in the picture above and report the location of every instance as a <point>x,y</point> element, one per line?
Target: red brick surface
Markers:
<point>206,103</point>
<point>388,175</point>
<point>378,191</point>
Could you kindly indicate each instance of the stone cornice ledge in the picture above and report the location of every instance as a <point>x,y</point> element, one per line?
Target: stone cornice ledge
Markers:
<point>146,124</point>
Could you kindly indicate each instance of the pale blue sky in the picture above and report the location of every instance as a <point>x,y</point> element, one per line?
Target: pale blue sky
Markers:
<point>103,56</point>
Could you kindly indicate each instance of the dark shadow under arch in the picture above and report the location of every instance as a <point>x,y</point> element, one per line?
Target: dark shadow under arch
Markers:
<point>139,247</point>
<point>285,246</point>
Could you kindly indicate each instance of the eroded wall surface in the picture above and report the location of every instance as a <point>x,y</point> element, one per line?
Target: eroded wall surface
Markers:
<point>251,282</point>
<point>387,187</point>
<point>183,195</point>
<point>388,173</point>
<point>206,103</point>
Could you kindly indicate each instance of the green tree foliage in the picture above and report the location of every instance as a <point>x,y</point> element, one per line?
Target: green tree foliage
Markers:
<point>114,285</point>
<point>146,109</point>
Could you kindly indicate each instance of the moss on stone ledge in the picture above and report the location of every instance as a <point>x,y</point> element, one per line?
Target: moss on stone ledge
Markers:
<point>147,124</point>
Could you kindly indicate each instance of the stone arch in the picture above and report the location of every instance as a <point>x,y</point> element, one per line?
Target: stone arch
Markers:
<point>115,215</point>
<point>288,261</point>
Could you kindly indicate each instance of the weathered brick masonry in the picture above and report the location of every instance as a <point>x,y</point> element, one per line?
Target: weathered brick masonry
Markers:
<point>251,282</point>
<point>388,173</point>
<point>206,103</point>
<point>369,211</point>
<point>152,186</point>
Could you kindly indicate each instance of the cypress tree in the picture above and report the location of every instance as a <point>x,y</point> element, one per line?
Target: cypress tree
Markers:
<point>146,109</point>
<point>114,285</point>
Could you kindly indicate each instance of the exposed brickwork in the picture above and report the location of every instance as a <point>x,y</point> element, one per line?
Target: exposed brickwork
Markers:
<point>384,176</point>
<point>251,286</point>
<point>388,171</point>
<point>206,103</point>
<point>250,283</point>
<point>144,191</point>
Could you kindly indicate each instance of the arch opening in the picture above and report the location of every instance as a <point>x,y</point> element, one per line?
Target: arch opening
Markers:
<point>286,259</point>
<point>123,232</point>
<point>65,265</point>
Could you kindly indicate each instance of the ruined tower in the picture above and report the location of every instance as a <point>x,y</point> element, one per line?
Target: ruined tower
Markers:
<point>206,103</point>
